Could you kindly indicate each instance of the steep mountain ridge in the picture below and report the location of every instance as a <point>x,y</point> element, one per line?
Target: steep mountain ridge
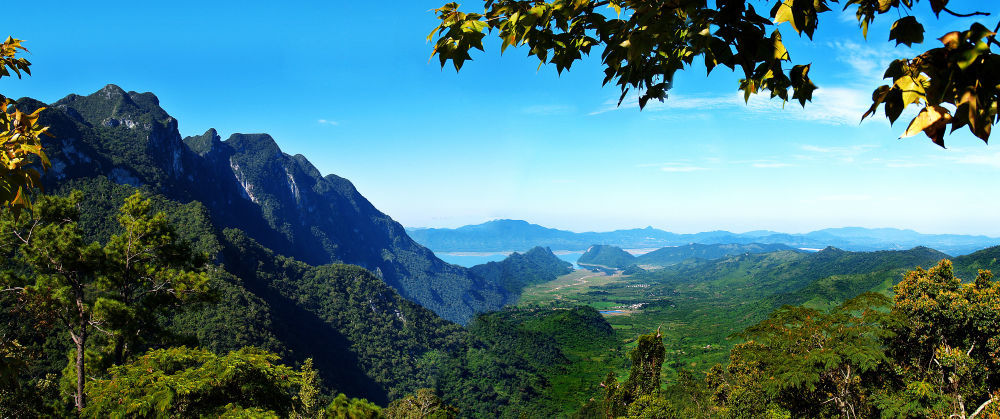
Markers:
<point>247,182</point>
<point>364,339</point>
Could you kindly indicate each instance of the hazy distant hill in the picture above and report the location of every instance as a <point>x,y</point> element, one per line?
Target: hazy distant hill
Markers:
<point>670,255</point>
<point>606,256</point>
<point>519,270</point>
<point>968,266</point>
<point>508,235</point>
<point>615,257</point>
<point>833,274</point>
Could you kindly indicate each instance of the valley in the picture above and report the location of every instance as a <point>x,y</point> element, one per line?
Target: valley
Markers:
<point>701,305</point>
<point>309,271</point>
<point>299,214</point>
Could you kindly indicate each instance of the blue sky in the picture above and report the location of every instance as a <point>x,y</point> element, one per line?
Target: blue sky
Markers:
<point>350,86</point>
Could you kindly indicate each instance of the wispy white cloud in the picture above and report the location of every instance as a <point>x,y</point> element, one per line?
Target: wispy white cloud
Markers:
<point>562,181</point>
<point>845,197</point>
<point>846,150</point>
<point>673,102</point>
<point>546,110</point>
<point>843,154</point>
<point>831,105</point>
<point>673,163</point>
<point>681,168</point>
<point>328,122</point>
<point>847,16</point>
<point>677,116</point>
<point>902,164</point>
<point>708,163</point>
<point>977,159</point>
<point>868,61</point>
<point>766,165</point>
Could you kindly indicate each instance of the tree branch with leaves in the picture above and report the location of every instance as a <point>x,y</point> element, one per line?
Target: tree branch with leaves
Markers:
<point>112,289</point>
<point>20,133</point>
<point>646,42</point>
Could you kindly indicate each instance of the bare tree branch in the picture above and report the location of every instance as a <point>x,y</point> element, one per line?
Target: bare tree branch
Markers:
<point>981,407</point>
<point>965,14</point>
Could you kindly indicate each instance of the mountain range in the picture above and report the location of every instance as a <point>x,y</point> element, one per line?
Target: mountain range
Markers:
<point>608,256</point>
<point>307,267</point>
<point>246,182</point>
<point>507,235</point>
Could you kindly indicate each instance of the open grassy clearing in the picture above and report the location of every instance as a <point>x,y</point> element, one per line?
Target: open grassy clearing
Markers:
<point>566,288</point>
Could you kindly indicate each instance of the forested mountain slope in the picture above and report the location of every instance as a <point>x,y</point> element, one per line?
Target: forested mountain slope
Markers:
<point>519,270</point>
<point>364,338</point>
<point>700,304</point>
<point>231,197</point>
<point>606,256</point>
<point>670,255</point>
<point>967,266</point>
<point>246,182</point>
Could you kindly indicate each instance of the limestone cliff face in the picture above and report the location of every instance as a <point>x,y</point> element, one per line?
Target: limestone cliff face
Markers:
<point>247,182</point>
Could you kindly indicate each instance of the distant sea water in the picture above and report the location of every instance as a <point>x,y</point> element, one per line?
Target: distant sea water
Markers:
<point>470,259</point>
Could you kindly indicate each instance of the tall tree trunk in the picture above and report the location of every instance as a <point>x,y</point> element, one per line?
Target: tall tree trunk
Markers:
<point>80,341</point>
<point>81,348</point>
<point>119,351</point>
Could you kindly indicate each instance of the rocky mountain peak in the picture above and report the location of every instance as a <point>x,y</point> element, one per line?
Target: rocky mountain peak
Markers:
<point>206,143</point>
<point>110,92</point>
<point>112,107</point>
<point>254,144</point>
<point>246,182</point>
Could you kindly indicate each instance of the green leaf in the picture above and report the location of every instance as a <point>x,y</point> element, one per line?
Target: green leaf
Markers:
<point>802,86</point>
<point>968,57</point>
<point>782,12</point>
<point>932,121</point>
<point>878,96</point>
<point>895,70</point>
<point>911,90</point>
<point>614,4</point>
<point>780,53</point>
<point>893,105</point>
<point>907,31</point>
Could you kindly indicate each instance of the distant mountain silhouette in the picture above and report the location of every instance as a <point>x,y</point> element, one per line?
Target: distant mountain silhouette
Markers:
<point>511,235</point>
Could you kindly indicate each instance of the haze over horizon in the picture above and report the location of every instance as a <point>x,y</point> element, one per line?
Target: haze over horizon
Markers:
<point>504,140</point>
<point>689,232</point>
